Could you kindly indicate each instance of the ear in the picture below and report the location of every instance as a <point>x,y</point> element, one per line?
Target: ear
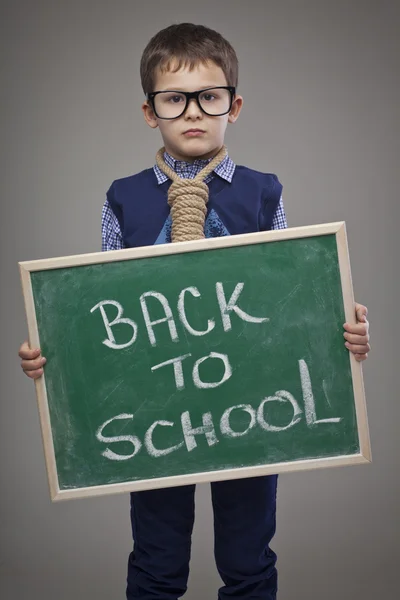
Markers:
<point>149,115</point>
<point>235,110</point>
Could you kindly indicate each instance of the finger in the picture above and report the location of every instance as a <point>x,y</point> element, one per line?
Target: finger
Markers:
<point>27,353</point>
<point>34,374</point>
<point>356,339</point>
<point>358,329</point>
<point>358,349</point>
<point>361,357</point>
<point>32,365</point>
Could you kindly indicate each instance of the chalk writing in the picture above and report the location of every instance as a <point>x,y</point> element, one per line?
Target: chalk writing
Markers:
<point>225,309</point>
<point>185,429</point>
<point>189,432</point>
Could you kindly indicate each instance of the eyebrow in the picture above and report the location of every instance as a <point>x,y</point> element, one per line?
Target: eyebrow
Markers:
<point>206,87</point>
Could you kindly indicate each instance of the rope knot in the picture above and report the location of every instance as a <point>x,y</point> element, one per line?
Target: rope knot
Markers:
<point>188,199</point>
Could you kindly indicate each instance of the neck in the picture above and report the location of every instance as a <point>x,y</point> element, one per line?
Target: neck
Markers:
<point>192,159</point>
<point>218,158</point>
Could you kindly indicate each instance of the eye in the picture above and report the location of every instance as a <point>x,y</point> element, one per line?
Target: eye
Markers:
<point>208,97</point>
<point>175,99</point>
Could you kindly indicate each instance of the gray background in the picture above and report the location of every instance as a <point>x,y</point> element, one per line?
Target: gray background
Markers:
<point>321,90</point>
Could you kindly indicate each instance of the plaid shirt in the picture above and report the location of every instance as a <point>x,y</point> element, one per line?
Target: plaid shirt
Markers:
<point>111,231</point>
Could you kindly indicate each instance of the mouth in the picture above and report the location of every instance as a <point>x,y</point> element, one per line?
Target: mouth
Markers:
<point>193,132</point>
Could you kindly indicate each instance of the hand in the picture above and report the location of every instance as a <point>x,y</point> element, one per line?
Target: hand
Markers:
<point>32,362</point>
<point>357,336</point>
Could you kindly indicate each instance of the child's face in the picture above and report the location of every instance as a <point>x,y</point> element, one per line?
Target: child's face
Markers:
<point>177,142</point>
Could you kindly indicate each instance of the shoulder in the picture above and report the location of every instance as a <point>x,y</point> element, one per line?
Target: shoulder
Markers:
<point>133,180</point>
<point>122,190</point>
<point>246,172</point>
<point>269,181</point>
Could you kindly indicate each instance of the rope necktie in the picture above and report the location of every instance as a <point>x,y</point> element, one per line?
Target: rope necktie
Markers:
<point>188,198</point>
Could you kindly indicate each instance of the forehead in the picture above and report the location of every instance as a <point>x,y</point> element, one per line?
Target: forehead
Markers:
<point>188,79</point>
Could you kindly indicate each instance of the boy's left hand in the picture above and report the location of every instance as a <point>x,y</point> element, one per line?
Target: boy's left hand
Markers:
<point>357,336</point>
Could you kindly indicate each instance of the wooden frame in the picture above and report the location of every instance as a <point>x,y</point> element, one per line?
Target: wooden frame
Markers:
<point>339,229</point>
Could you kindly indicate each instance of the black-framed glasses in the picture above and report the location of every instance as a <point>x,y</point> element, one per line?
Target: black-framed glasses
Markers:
<point>171,104</point>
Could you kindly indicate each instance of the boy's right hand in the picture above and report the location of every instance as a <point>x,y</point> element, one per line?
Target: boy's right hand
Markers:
<point>32,362</point>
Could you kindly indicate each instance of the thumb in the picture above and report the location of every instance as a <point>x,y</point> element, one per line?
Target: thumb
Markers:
<point>361,313</point>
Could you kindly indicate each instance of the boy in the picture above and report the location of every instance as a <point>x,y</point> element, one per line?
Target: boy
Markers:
<point>189,75</point>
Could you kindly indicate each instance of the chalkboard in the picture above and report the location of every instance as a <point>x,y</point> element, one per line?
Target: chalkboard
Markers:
<point>196,361</point>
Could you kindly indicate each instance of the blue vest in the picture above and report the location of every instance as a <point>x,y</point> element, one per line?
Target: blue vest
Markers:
<point>245,205</point>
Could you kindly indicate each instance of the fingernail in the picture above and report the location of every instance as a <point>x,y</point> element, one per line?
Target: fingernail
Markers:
<point>347,344</point>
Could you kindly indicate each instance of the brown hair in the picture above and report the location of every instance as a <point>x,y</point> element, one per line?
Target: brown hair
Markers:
<point>187,45</point>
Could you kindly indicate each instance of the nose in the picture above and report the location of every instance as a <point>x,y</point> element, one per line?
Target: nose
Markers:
<point>193,110</point>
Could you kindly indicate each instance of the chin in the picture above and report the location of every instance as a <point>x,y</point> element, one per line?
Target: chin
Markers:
<point>200,149</point>
<point>193,148</point>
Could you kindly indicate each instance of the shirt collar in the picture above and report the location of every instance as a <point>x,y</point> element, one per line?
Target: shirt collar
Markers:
<point>188,170</point>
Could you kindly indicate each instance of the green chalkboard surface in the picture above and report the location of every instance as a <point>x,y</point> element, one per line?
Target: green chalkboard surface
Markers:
<point>196,361</point>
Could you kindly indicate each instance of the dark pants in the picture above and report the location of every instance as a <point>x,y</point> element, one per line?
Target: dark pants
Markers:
<point>244,524</point>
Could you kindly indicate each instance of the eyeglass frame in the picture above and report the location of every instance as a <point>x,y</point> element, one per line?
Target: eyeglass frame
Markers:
<point>189,96</point>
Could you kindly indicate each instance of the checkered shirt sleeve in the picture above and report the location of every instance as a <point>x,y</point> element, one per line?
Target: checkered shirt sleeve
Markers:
<point>111,236</point>
<point>279,218</point>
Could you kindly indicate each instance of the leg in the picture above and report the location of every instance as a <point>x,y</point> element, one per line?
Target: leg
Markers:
<point>162,524</point>
<point>244,524</point>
